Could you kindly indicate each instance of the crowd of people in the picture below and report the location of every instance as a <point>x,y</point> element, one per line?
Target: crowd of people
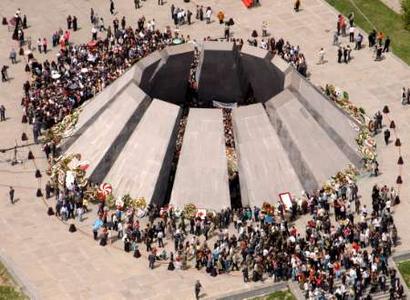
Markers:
<point>346,257</point>
<point>346,27</point>
<point>81,71</point>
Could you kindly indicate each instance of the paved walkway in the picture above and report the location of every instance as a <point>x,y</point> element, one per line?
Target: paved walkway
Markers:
<point>51,261</point>
<point>394,5</point>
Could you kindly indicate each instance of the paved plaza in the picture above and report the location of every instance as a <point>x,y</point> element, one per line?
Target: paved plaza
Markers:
<point>53,263</point>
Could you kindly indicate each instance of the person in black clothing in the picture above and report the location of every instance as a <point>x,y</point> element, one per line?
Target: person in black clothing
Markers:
<point>112,7</point>
<point>339,55</point>
<point>198,287</point>
<point>24,23</point>
<point>69,22</point>
<point>387,44</point>
<point>11,194</point>
<point>372,38</point>
<point>386,136</point>
<point>345,55</point>
<point>75,23</point>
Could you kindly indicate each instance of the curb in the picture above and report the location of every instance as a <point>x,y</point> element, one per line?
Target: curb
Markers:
<point>255,292</point>
<point>23,283</point>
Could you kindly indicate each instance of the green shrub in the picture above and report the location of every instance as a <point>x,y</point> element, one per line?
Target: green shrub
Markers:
<point>405,7</point>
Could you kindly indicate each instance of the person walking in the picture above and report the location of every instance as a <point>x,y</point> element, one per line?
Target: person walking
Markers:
<point>4,75</point>
<point>2,113</point>
<point>198,287</point>
<point>11,194</point>
<point>112,7</point>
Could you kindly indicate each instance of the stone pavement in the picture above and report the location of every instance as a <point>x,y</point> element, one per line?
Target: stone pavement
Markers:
<point>393,4</point>
<point>55,263</point>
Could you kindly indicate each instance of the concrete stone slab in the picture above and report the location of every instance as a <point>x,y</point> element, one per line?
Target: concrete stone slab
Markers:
<point>202,172</point>
<point>264,167</point>
<point>99,136</point>
<point>312,152</point>
<point>142,169</point>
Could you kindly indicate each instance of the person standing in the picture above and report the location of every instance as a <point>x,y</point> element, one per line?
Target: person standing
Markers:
<point>351,34</point>
<point>45,45</point>
<point>297,5</point>
<point>137,4</point>
<point>92,16</point>
<point>69,22</point>
<point>198,287</point>
<point>39,45</point>
<point>13,56</point>
<point>403,96</point>
<point>160,2</point>
<point>208,15</point>
<point>321,56</point>
<point>112,7</point>
<point>75,23</point>
<point>387,44</point>
<point>2,113</point>
<point>220,16</point>
<point>11,194</point>
<point>339,55</point>
<point>189,16</point>
<point>386,136</point>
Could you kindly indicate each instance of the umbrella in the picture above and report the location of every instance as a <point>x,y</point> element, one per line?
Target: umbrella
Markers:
<point>97,224</point>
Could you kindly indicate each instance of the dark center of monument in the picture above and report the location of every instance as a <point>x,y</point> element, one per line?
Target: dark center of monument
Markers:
<point>216,74</point>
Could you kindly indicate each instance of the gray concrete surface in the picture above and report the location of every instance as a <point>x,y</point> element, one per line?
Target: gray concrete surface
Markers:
<point>264,167</point>
<point>202,173</point>
<point>138,169</point>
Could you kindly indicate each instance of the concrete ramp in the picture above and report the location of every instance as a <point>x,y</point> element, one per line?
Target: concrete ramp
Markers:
<point>93,108</point>
<point>337,123</point>
<point>202,172</point>
<point>101,136</point>
<point>142,169</point>
<point>314,155</point>
<point>264,167</point>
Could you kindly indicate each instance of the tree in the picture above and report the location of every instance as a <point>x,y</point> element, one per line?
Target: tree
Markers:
<point>405,7</point>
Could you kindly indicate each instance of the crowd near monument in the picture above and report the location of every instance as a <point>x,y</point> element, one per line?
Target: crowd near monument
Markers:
<point>208,156</point>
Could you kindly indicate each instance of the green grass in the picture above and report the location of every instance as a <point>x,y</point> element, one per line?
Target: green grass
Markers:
<point>10,293</point>
<point>280,295</point>
<point>383,18</point>
<point>404,268</point>
<point>8,288</point>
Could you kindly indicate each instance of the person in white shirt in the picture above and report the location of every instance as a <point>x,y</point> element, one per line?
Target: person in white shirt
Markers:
<point>321,56</point>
